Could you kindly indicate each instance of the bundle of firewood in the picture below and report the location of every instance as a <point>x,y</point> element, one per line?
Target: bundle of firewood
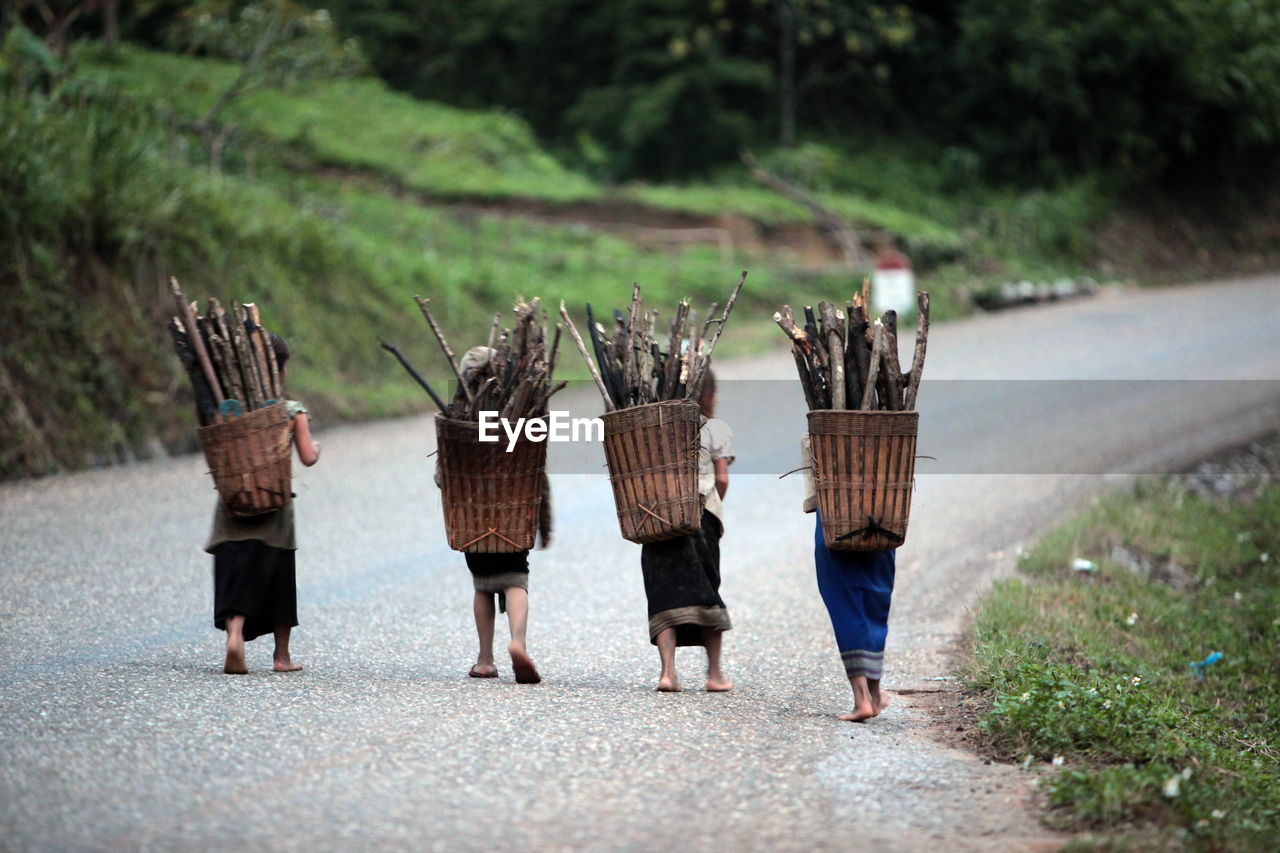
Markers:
<point>639,363</point>
<point>229,358</point>
<point>514,378</point>
<point>848,361</point>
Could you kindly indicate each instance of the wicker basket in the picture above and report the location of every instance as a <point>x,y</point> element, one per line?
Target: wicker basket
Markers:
<point>491,497</point>
<point>251,460</point>
<point>652,452</point>
<point>863,465</point>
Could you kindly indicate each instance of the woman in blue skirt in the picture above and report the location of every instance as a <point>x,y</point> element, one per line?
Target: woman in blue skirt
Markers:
<point>857,588</point>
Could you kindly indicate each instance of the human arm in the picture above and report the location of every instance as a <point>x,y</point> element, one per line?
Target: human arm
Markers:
<point>722,475</point>
<point>308,448</point>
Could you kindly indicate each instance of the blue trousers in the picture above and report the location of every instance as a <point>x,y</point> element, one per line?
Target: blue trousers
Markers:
<point>856,587</point>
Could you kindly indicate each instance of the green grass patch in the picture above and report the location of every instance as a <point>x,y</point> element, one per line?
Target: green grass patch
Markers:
<point>1095,667</point>
<point>359,123</point>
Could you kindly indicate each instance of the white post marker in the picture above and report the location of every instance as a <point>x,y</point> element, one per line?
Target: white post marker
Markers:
<point>893,284</point>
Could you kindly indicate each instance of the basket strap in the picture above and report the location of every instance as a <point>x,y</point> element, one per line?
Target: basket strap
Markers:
<point>492,531</point>
<point>654,514</point>
<point>872,528</point>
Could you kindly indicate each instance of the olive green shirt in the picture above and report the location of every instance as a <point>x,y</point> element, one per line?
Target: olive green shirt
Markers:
<point>271,528</point>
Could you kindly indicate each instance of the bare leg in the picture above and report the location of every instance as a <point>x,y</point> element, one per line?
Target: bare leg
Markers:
<point>281,660</point>
<point>234,664</point>
<point>518,619</point>
<point>667,681</point>
<point>878,699</point>
<point>485,612</point>
<point>716,681</point>
<point>864,708</point>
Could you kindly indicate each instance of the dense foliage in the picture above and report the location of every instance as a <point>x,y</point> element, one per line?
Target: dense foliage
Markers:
<point>1026,88</point>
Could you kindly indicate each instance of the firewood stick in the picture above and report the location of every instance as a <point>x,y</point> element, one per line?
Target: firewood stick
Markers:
<point>628,344</point>
<point>892,370</point>
<point>222,351</point>
<point>835,348</point>
<point>273,368</point>
<point>188,318</point>
<point>417,377</point>
<point>610,372</point>
<point>877,348</point>
<point>917,359</point>
<point>206,410</point>
<point>425,306</point>
<point>493,330</point>
<point>555,349</point>
<point>695,383</point>
<point>220,347</point>
<point>258,338</point>
<point>591,365</point>
<point>247,365</point>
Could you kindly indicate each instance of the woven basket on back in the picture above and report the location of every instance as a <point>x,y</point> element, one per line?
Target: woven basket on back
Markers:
<point>652,452</point>
<point>863,466</point>
<point>491,497</point>
<point>251,459</point>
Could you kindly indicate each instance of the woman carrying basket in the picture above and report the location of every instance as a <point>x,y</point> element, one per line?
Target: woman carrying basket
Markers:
<point>254,586</point>
<point>502,576</point>
<point>682,576</point>
<point>857,588</point>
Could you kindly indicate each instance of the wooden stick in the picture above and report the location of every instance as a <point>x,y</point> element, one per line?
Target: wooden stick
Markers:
<point>835,348</point>
<point>695,383</point>
<point>248,366</point>
<point>188,319</point>
<point>917,359</point>
<point>591,365</point>
<point>222,349</point>
<point>404,362</point>
<point>877,348</point>
<point>493,330</point>
<point>425,306</point>
<point>260,345</point>
<point>206,410</point>
<point>555,348</point>
<point>609,370</point>
<point>892,371</point>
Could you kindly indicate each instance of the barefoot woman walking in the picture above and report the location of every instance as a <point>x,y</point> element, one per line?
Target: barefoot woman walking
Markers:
<point>857,588</point>
<point>682,576</point>
<point>254,588</point>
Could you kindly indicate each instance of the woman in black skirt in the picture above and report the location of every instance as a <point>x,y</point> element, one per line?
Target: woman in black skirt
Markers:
<point>254,589</point>
<point>682,576</point>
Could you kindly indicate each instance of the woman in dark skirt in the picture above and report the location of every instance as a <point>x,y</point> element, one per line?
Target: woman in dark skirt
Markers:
<point>682,576</point>
<point>504,577</point>
<point>254,588</point>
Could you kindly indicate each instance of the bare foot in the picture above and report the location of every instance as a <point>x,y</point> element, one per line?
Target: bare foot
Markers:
<point>526,672</point>
<point>881,700</point>
<point>860,713</point>
<point>668,684</point>
<point>234,664</point>
<point>286,665</point>
<point>483,670</point>
<point>718,684</point>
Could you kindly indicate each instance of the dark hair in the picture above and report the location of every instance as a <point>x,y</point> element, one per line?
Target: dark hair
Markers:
<point>707,396</point>
<point>281,350</point>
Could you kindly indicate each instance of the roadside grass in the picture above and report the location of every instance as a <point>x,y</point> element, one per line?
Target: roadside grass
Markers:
<point>1095,668</point>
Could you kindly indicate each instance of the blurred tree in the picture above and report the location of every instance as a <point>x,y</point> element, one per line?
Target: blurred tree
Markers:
<point>277,42</point>
<point>1031,89</point>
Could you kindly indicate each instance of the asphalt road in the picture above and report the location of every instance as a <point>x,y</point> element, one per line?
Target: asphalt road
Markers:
<point>118,731</point>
